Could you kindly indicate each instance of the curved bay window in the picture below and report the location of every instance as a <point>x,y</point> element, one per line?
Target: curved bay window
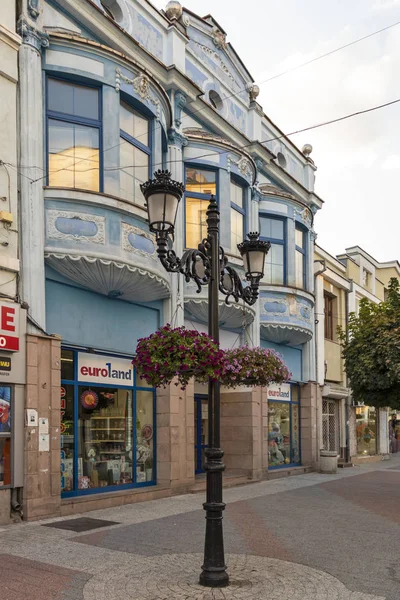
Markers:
<point>237,215</point>
<point>300,240</point>
<point>74,135</point>
<point>199,184</point>
<point>273,230</point>
<point>134,153</point>
<point>107,424</point>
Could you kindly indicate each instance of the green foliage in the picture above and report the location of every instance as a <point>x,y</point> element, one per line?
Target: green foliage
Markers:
<point>371,350</point>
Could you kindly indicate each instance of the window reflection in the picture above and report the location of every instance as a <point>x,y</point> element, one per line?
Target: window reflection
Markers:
<point>196,225</point>
<point>274,265</point>
<point>73,156</point>
<point>236,230</point>
<point>201,181</point>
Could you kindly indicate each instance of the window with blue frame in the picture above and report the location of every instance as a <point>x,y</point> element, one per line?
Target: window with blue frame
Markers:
<point>273,230</point>
<point>237,215</point>
<point>300,240</point>
<point>107,430</point>
<point>199,184</point>
<point>135,153</point>
<point>73,135</point>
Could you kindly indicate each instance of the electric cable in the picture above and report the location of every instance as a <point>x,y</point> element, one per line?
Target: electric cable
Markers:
<point>242,147</point>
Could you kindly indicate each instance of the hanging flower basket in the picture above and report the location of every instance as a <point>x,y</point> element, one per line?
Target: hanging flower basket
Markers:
<point>181,353</point>
<point>253,367</point>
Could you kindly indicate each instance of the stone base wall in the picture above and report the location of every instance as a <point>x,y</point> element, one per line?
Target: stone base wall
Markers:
<point>5,507</point>
<point>175,436</point>
<point>42,494</point>
<point>310,403</point>
<point>241,423</point>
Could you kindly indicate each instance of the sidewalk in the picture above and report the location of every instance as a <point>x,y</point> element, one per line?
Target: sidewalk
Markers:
<point>314,537</point>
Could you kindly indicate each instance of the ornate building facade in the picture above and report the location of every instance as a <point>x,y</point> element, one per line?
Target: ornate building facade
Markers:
<point>109,91</point>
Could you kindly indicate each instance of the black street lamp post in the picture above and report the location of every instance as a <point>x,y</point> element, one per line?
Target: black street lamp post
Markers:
<point>206,265</point>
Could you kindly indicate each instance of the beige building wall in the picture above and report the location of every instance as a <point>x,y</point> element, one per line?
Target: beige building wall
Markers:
<point>9,45</point>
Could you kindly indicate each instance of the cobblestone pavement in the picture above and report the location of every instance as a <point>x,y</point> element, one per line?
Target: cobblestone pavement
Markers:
<point>312,537</point>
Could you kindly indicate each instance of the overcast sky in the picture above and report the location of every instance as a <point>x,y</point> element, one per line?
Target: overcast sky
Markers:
<point>358,160</point>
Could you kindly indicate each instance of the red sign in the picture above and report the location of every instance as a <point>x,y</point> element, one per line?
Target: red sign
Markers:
<point>63,392</point>
<point>9,326</point>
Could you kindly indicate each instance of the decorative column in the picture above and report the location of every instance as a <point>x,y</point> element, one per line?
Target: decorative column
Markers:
<point>31,157</point>
<point>176,143</point>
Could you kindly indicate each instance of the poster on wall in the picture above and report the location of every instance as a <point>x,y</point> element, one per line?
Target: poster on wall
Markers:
<point>5,409</point>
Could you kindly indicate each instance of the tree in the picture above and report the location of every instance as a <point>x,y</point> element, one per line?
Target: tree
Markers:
<point>371,350</point>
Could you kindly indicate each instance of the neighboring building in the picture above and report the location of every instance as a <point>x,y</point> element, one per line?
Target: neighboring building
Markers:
<point>340,284</point>
<point>331,300</point>
<point>12,317</point>
<point>369,427</point>
<point>109,91</point>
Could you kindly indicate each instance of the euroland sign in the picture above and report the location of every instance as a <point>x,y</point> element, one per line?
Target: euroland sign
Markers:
<point>95,368</point>
<point>277,391</point>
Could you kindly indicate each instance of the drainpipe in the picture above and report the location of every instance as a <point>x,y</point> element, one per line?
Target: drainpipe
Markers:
<point>348,399</point>
<point>319,269</point>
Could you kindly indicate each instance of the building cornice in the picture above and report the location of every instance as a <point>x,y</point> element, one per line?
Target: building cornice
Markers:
<point>10,38</point>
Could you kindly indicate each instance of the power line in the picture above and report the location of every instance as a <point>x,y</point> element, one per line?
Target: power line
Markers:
<point>317,126</point>
<point>309,62</point>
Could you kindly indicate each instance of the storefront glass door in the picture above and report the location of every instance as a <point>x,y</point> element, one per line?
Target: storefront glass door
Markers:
<point>366,428</point>
<point>201,431</point>
<point>283,427</point>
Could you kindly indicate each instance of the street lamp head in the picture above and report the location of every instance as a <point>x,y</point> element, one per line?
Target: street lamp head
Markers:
<point>253,252</point>
<point>162,196</point>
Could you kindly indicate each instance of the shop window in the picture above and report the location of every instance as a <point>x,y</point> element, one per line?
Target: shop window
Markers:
<point>273,230</point>
<point>107,431</point>
<point>5,436</point>
<point>237,215</point>
<point>200,185</point>
<point>74,135</point>
<point>134,153</point>
<point>300,241</point>
<point>284,431</point>
<point>328,311</point>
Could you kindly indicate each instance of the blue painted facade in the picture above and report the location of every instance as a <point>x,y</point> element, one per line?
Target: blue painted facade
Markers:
<point>171,94</point>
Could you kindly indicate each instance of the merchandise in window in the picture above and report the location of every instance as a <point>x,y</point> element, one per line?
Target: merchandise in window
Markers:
<point>134,153</point>
<point>5,436</point>
<point>237,215</point>
<point>200,185</point>
<point>300,240</point>
<point>74,129</point>
<point>273,230</point>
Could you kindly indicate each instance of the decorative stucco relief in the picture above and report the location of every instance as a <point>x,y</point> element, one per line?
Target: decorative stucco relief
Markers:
<point>68,225</point>
<point>141,85</point>
<point>305,216</point>
<point>134,239</point>
<point>210,53</point>
<point>244,165</point>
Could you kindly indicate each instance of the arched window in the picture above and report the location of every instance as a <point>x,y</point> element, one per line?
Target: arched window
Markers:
<point>273,230</point>
<point>237,215</point>
<point>200,184</point>
<point>74,135</point>
<point>135,153</point>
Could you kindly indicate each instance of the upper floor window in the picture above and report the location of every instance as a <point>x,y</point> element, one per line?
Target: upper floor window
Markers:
<point>300,240</point>
<point>237,215</point>
<point>273,230</point>
<point>328,310</point>
<point>200,184</point>
<point>135,153</point>
<point>74,135</point>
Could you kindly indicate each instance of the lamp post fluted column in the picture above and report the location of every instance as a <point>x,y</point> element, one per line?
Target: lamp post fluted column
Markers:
<point>214,568</point>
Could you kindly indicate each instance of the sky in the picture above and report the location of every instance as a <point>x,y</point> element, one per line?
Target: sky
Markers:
<point>358,160</point>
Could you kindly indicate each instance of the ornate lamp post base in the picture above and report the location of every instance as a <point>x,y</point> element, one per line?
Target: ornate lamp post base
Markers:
<point>214,568</point>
